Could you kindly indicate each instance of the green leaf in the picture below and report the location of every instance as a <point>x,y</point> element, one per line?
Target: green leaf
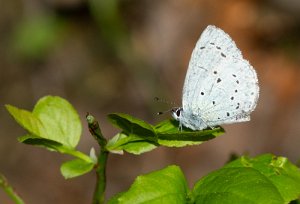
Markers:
<point>168,126</point>
<point>53,124</point>
<point>131,144</point>
<point>54,146</point>
<point>264,179</point>
<point>279,170</point>
<point>236,185</point>
<point>132,125</point>
<point>295,201</point>
<point>170,136</point>
<point>114,199</point>
<point>28,121</point>
<point>38,141</point>
<point>138,137</point>
<point>60,120</point>
<point>164,186</point>
<point>76,167</point>
<point>53,118</point>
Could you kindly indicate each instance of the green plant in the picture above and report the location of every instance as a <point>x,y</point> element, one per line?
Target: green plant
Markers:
<point>54,124</point>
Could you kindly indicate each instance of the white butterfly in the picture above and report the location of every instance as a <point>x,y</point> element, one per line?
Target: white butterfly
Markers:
<point>220,87</point>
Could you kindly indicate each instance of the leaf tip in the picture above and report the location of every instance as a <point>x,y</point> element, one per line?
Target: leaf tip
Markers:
<point>9,107</point>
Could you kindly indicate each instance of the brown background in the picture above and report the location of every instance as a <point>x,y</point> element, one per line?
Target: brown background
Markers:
<point>116,56</point>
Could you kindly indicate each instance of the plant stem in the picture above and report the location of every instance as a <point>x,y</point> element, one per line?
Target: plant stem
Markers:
<point>99,193</point>
<point>10,191</point>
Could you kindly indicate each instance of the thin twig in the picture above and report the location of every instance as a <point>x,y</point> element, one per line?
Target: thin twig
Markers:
<point>10,191</point>
<point>99,194</point>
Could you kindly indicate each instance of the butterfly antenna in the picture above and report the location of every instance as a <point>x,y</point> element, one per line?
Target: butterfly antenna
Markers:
<point>163,112</point>
<point>163,101</point>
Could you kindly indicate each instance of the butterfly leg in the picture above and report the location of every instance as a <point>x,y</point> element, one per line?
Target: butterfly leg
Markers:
<point>180,127</point>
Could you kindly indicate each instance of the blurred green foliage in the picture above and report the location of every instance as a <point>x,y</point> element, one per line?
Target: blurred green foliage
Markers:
<point>108,17</point>
<point>35,37</point>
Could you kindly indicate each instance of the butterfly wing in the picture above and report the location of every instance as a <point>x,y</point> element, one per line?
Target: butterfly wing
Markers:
<point>220,86</point>
<point>233,95</point>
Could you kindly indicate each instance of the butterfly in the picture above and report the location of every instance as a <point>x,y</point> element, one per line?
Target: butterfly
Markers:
<point>220,86</point>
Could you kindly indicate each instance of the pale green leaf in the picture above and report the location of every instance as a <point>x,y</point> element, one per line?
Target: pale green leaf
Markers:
<point>28,121</point>
<point>76,167</point>
<point>60,120</point>
<point>131,144</point>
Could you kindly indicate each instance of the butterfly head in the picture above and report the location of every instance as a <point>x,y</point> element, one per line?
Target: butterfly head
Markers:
<point>176,113</point>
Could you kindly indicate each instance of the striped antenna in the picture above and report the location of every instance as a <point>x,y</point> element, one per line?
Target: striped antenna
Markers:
<point>163,112</point>
<point>165,102</point>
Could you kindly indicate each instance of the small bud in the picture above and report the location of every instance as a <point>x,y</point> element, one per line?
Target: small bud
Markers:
<point>93,155</point>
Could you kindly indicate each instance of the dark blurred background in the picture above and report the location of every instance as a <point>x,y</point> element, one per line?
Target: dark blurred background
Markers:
<point>117,55</point>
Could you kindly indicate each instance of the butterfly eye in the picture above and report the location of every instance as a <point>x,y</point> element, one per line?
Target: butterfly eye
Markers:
<point>178,111</point>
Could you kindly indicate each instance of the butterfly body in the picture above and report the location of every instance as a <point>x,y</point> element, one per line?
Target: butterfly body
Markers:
<point>220,87</point>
